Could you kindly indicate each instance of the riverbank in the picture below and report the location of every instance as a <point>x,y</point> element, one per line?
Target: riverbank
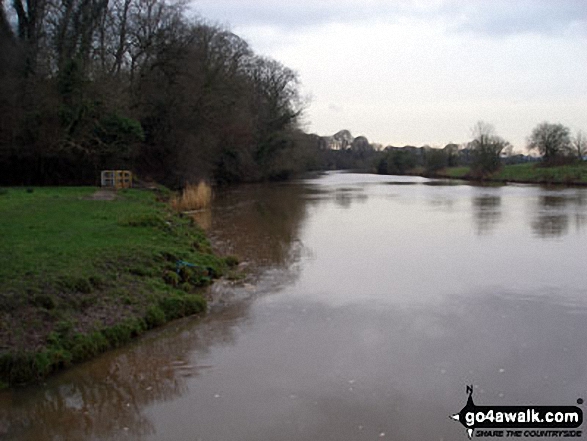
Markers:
<point>80,274</point>
<point>530,173</point>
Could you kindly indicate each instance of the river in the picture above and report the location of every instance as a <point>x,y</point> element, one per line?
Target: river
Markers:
<point>371,303</point>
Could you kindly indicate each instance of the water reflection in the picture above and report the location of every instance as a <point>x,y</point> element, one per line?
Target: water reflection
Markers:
<point>551,225</point>
<point>401,371</point>
<point>401,183</point>
<point>486,212</point>
<point>442,182</point>
<point>259,223</point>
<point>446,202</point>
<point>555,211</point>
<point>106,398</point>
<point>345,197</point>
<point>203,218</point>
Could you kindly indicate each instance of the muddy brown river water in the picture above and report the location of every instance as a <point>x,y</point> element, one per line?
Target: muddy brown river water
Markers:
<point>372,302</point>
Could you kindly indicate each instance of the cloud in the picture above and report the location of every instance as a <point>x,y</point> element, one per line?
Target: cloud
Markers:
<point>415,72</point>
<point>335,108</point>
<point>491,17</point>
<point>499,18</point>
<point>286,15</point>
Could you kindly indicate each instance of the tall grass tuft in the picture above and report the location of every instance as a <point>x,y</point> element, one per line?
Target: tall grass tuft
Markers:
<point>193,197</point>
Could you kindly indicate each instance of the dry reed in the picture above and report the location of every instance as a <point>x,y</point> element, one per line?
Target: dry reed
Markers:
<point>193,197</point>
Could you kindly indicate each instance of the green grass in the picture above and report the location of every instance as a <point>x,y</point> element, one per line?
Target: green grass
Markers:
<point>530,173</point>
<point>78,276</point>
<point>456,172</point>
<point>562,174</point>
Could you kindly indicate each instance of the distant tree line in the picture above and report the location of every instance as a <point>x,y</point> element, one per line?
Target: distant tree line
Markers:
<point>87,85</point>
<point>486,152</point>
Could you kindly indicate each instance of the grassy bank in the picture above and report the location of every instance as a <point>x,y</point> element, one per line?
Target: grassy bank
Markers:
<point>79,276</point>
<point>572,174</point>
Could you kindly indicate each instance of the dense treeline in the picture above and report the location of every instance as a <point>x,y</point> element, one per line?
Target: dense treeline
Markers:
<point>92,84</point>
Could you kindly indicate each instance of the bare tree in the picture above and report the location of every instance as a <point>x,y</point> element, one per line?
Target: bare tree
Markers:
<point>5,29</point>
<point>580,144</point>
<point>361,145</point>
<point>89,82</point>
<point>508,151</point>
<point>551,140</point>
<point>30,16</point>
<point>486,148</point>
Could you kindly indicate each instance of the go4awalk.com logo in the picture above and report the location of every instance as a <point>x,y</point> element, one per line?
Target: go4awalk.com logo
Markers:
<point>520,421</point>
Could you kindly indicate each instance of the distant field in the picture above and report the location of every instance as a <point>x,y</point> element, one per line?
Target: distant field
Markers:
<point>79,275</point>
<point>530,172</point>
<point>564,174</point>
<point>456,172</point>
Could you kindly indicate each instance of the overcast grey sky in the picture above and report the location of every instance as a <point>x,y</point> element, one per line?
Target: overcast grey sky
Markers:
<point>423,72</point>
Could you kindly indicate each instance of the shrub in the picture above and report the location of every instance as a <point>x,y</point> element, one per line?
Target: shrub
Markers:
<point>486,148</point>
<point>435,160</point>
<point>172,307</point>
<point>123,332</point>
<point>172,278</point>
<point>231,261</point>
<point>154,317</point>
<point>176,305</point>
<point>86,346</point>
<point>193,197</point>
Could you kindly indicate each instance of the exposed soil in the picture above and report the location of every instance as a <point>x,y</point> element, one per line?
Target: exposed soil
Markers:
<point>104,194</point>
